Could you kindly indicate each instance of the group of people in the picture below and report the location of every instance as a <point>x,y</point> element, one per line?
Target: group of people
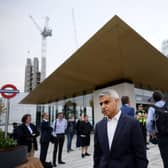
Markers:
<point>120,137</point>
<point>27,133</point>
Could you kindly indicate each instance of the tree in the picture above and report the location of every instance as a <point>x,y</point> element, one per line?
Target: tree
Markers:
<point>2,107</point>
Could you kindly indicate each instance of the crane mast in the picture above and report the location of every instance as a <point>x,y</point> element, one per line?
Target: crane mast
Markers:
<point>44,32</point>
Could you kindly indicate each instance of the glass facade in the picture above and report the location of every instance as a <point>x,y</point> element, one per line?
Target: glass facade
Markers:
<point>143,96</point>
<point>81,105</point>
<point>72,106</point>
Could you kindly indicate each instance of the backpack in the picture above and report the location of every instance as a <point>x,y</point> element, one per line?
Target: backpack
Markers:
<point>161,119</point>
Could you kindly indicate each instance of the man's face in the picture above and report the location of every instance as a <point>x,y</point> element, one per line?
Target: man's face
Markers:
<point>46,116</point>
<point>28,120</point>
<point>60,116</point>
<point>140,107</point>
<point>86,118</point>
<point>109,105</point>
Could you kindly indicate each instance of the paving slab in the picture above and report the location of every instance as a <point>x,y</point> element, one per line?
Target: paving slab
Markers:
<point>73,159</point>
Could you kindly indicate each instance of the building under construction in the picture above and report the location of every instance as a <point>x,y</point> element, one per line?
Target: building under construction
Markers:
<point>32,74</point>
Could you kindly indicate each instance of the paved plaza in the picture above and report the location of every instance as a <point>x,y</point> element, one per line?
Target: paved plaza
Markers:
<point>73,159</point>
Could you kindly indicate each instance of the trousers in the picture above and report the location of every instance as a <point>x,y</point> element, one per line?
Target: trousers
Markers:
<point>58,143</point>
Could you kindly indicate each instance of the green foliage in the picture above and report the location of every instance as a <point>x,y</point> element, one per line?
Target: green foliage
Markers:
<point>70,109</point>
<point>6,142</point>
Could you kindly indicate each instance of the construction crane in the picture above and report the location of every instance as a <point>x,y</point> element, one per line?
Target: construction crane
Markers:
<point>45,32</point>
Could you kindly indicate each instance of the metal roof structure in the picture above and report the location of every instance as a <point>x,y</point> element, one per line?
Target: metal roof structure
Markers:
<point>115,53</point>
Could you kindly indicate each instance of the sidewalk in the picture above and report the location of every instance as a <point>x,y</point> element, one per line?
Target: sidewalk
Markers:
<point>73,159</point>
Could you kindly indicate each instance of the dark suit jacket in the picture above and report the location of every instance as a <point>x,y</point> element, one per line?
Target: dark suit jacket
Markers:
<point>24,137</point>
<point>128,110</point>
<point>45,132</point>
<point>127,149</point>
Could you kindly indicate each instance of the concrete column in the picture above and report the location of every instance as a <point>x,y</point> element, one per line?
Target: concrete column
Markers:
<point>123,89</point>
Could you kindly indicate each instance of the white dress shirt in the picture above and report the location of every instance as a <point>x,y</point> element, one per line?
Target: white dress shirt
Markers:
<point>111,127</point>
<point>60,127</point>
<point>29,128</point>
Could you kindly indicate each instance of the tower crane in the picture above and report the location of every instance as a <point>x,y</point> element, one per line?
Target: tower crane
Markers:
<point>45,32</point>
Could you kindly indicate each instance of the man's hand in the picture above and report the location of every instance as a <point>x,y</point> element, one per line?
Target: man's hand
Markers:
<point>153,134</point>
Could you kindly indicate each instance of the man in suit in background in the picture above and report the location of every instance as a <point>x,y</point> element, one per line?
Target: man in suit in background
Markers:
<point>126,109</point>
<point>45,137</point>
<point>118,140</point>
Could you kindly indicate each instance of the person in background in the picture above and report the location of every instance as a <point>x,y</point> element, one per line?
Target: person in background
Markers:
<point>59,127</point>
<point>14,132</point>
<point>45,137</point>
<point>157,124</point>
<point>126,108</point>
<point>27,134</point>
<point>70,132</point>
<point>141,116</point>
<point>77,131</point>
<point>85,130</point>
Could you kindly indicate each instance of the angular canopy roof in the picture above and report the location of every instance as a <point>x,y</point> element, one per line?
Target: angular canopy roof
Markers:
<point>115,53</point>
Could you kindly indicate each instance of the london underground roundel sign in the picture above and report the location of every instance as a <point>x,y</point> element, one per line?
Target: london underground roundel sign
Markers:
<point>9,91</point>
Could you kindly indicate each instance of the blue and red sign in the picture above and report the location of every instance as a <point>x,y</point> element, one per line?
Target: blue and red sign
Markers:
<point>9,91</point>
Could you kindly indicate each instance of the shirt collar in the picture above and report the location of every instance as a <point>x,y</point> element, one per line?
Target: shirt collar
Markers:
<point>116,117</point>
<point>45,120</point>
<point>126,104</point>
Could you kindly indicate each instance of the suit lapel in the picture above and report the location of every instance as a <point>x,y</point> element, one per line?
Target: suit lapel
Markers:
<point>25,129</point>
<point>105,135</point>
<point>119,128</point>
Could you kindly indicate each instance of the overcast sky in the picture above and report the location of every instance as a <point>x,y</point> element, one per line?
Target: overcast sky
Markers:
<point>18,34</point>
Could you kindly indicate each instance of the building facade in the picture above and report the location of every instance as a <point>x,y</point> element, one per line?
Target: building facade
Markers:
<point>89,103</point>
<point>36,73</point>
<point>28,76</point>
<point>32,74</point>
<point>115,57</point>
<point>43,68</point>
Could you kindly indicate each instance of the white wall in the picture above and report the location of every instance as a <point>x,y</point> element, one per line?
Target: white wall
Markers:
<point>18,110</point>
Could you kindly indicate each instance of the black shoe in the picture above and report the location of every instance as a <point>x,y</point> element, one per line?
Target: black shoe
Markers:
<point>83,155</point>
<point>147,148</point>
<point>54,165</point>
<point>61,162</point>
<point>48,165</point>
<point>87,154</point>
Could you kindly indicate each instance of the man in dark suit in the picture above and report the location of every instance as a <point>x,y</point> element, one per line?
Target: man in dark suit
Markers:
<point>126,108</point>
<point>118,141</point>
<point>45,137</point>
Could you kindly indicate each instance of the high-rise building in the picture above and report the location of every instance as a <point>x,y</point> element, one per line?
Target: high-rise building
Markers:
<point>36,73</point>
<point>32,74</point>
<point>28,76</point>
<point>43,68</point>
<point>164,47</point>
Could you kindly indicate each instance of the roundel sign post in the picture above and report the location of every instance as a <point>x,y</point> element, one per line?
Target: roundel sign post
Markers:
<point>8,91</point>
